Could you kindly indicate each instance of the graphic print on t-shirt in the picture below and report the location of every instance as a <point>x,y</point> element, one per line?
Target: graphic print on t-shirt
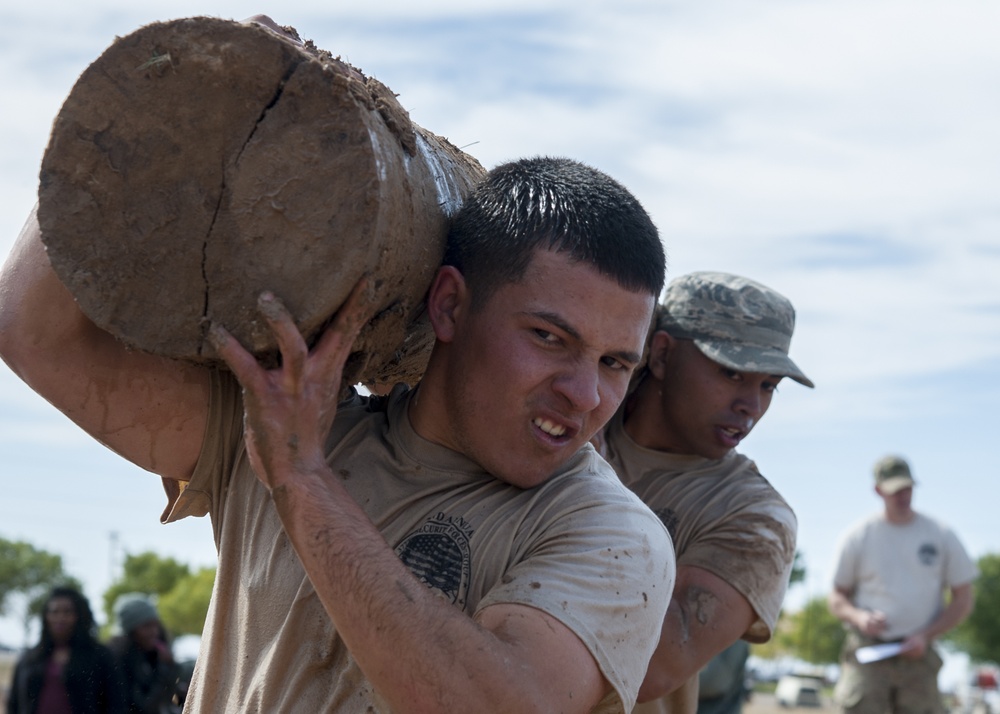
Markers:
<point>669,520</point>
<point>928,553</point>
<point>438,554</point>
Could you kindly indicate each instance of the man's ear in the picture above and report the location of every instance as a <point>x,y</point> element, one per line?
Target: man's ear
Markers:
<point>660,347</point>
<point>447,302</point>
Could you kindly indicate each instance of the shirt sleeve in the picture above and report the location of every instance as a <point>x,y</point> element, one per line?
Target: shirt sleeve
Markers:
<point>845,574</point>
<point>606,570</point>
<point>751,546</point>
<point>961,569</point>
<point>222,448</point>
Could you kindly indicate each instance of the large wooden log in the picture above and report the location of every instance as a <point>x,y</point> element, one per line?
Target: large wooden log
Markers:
<point>200,161</point>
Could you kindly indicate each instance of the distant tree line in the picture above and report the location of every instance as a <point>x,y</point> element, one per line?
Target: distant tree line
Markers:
<point>28,573</point>
<point>979,635</point>
<point>814,635</point>
<point>26,576</point>
<point>182,595</point>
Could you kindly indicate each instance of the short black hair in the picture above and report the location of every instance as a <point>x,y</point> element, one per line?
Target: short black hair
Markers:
<point>554,204</point>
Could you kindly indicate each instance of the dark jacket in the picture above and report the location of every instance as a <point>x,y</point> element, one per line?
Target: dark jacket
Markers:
<point>90,678</point>
<point>151,685</point>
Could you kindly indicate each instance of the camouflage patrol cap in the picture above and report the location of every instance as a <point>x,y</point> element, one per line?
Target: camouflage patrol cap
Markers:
<point>892,474</point>
<point>734,321</point>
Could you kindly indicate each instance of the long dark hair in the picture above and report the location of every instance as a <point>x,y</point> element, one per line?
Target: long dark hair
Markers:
<point>84,633</point>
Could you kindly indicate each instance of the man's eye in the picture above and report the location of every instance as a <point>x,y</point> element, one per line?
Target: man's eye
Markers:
<point>733,375</point>
<point>613,363</point>
<point>545,335</point>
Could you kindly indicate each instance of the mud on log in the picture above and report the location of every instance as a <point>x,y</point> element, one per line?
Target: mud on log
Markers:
<point>201,161</point>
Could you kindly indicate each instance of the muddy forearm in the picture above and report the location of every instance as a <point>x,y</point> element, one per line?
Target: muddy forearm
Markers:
<point>420,653</point>
<point>706,615</point>
<point>683,649</point>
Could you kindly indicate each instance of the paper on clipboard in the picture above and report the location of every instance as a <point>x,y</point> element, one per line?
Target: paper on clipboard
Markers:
<point>873,653</point>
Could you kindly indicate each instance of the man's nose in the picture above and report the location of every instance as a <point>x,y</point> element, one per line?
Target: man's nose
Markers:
<point>580,385</point>
<point>751,403</point>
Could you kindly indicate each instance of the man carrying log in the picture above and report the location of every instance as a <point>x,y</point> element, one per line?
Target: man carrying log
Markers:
<point>452,547</point>
<point>719,350</point>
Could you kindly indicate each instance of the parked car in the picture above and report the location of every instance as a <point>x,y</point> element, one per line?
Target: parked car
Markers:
<point>795,690</point>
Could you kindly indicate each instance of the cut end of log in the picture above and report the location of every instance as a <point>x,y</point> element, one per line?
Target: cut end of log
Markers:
<point>199,162</point>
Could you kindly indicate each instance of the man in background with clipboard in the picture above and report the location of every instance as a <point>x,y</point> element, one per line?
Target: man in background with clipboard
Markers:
<point>888,588</point>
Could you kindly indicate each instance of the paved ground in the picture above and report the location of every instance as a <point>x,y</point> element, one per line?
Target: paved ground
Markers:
<point>761,703</point>
<point>7,662</point>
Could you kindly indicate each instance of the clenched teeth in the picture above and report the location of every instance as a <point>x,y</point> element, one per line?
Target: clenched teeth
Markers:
<point>548,427</point>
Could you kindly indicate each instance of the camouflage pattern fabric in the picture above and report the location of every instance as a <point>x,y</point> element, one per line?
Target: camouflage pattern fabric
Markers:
<point>734,321</point>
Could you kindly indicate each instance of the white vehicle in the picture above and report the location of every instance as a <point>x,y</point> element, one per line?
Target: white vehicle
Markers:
<point>796,690</point>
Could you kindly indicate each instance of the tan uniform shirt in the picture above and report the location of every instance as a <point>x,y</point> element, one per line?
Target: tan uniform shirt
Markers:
<point>902,570</point>
<point>580,547</point>
<point>723,517</point>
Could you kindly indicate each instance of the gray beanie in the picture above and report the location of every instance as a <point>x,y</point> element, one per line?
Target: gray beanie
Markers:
<point>134,609</point>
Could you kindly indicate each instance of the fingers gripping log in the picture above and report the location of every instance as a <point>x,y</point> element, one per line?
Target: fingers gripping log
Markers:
<point>199,162</point>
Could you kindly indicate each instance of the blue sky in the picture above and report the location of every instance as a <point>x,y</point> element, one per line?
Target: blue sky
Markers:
<point>843,152</point>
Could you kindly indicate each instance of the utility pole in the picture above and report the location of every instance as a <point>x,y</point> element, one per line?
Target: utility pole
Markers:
<point>112,556</point>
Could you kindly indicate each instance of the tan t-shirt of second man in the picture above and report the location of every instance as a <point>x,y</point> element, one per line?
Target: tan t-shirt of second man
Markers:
<point>723,517</point>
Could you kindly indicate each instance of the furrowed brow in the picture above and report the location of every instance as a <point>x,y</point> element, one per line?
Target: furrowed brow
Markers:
<point>626,356</point>
<point>557,321</point>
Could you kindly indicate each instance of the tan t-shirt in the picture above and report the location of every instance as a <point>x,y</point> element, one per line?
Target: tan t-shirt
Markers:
<point>580,547</point>
<point>723,517</point>
<point>902,570</point>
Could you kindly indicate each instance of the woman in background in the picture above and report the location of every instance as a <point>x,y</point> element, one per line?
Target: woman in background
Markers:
<point>68,671</point>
